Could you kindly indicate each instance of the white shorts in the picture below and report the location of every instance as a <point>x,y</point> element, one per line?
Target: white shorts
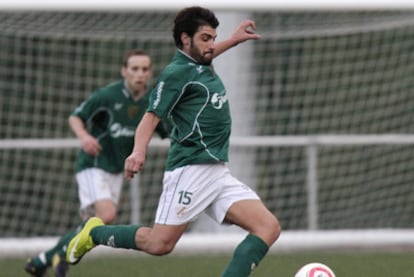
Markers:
<point>96,184</point>
<point>190,190</point>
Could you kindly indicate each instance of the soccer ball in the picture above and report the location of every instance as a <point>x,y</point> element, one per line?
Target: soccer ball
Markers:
<point>315,270</point>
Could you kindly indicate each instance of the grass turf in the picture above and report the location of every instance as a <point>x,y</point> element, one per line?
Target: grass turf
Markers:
<point>344,265</point>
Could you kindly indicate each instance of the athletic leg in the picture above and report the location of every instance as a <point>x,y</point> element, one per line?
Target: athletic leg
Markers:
<point>99,193</point>
<point>187,192</point>
<point>37,266</point>
<point>105,209</point>
<point>263,228</point>
<point>158,240</point>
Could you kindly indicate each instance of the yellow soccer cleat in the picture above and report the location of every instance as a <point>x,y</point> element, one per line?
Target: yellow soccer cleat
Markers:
<point>82,242</point>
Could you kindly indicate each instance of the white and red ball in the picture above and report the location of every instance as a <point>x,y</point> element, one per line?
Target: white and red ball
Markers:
<point>315,270</point>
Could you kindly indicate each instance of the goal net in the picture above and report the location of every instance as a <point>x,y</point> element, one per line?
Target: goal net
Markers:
<point>322,104</point>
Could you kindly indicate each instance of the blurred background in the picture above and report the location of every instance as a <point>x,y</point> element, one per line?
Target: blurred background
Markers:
<point>302,97</point>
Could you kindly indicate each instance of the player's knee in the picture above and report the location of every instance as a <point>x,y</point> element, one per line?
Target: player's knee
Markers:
<point>107,216</point>
<point>269,230</point>
<point>275,229</point>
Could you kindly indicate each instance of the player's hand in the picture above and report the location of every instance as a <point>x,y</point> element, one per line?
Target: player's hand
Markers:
<point>134,164</point>
<point>245,31</point>
<point>90,145</point>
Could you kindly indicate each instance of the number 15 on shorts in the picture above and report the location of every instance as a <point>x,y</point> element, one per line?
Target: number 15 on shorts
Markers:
<point>185,197</point>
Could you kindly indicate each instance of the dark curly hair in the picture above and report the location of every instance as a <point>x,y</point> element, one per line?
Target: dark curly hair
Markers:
<point>190,19</point>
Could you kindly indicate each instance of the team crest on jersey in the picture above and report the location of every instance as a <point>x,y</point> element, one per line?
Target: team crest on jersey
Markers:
<point>180,211</point>
<point>218,100</point>
<point>132,111</point>
<point>200,69</point>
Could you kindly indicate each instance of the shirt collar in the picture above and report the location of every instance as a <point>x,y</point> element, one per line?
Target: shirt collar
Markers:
<point>125,91</point>
<point>186,55</point>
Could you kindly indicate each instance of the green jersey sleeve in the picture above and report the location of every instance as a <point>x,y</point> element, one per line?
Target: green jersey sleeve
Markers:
<point>93,115</point>
<point>167,91</point>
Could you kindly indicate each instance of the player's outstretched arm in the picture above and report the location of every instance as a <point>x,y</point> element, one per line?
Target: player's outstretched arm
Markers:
<point>245,31</point>
<point>135,162</point>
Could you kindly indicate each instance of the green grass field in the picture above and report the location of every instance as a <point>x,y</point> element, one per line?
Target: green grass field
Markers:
<point>344,265</point>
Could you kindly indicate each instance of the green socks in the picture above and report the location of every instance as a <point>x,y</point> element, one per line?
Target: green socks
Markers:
<point>45,259</point>
<point>118,236</point>
<point>246,257</point>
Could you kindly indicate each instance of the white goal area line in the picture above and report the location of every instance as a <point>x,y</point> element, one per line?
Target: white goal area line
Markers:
<point>390,240</point>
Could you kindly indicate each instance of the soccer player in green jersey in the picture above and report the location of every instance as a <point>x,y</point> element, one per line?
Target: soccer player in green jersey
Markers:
<point>105,125</point>
<point>191,95</point>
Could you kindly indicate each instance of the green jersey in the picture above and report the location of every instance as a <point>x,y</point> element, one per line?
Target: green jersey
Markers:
<point>111,115</point>
<point>194,99</point>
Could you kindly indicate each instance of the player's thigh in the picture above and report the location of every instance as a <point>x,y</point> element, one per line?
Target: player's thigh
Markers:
<point>248,214</point>
<point>232,191</point>
<point>254,217</point>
